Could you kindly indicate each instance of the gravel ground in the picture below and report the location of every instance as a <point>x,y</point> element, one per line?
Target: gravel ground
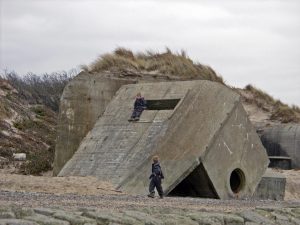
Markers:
<point>74,192</point>
<point>28,200</point>
<point>120,202</point>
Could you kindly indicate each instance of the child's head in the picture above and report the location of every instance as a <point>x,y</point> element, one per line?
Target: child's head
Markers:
<point>139,95</point>
<point>155,159</point>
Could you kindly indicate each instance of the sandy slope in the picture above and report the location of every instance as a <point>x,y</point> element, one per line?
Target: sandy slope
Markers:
<point>56,185</point>
<point>292,190</point>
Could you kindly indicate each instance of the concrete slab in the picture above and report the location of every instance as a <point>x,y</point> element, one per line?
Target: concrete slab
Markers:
<point>271,186</point>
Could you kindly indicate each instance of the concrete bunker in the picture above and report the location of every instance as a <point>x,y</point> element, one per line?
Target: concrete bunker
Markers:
<point>206,143</point>
<point>282,143</point>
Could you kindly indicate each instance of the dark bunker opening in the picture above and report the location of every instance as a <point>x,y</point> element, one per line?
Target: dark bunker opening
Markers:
<point>162,104</point>
<point>196,184</point>
<point>237,180</point>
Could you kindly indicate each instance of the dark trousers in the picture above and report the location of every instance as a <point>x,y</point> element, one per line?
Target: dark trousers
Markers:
<point>156,183</point>
<point>136,113</point>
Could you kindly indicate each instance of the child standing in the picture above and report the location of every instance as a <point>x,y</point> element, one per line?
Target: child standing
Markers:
<point>156,177</point>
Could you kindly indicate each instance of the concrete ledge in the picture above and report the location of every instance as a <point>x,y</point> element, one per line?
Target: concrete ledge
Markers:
<point>281,162</point>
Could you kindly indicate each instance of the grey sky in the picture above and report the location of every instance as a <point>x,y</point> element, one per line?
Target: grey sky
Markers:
<point>245,41</point>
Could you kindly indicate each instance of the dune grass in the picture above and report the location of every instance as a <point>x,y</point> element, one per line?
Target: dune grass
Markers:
<point>279,111</point>
<point>166,63</point>
<point>285,114</point>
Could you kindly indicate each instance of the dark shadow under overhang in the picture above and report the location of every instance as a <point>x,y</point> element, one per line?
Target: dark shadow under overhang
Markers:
<point>196,184</point>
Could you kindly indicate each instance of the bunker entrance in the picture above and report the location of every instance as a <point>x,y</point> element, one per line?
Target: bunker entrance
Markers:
<point>162,104</point>
<point>237,180</point>
<point>197,184</point>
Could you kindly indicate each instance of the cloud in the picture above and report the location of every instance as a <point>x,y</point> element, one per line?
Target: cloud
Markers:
<point>251,41</point>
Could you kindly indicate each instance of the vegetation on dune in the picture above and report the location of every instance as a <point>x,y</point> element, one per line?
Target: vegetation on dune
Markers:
<point>260,95</point>
<point>45,89</point>
<point>31,103</point>
<point>35,137</point>
<point>166,63</point>
<point>279,111</point>
<point>285,114</point>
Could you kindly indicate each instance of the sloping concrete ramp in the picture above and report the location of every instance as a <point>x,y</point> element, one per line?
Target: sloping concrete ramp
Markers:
<point>206,144</point>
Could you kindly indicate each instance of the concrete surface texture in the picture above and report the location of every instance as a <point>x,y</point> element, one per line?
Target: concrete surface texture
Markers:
<point>84,99</point>
<point>283,140</point>
<point>206,142</point>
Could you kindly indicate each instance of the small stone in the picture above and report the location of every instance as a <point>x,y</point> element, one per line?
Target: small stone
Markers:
<point>296,211</point>
<point>107,217</point>
<point>252,216</point>
<point>207,218</point>
<point>265,214</point>
<point>144,217</point>
<point>268,209</point>
<point>16,222</point>
<point>284,222</point>
<point>45,211</point>
<point>7,215</point>
<point>46,220</point>
<point>170,219</point>
<point>22,212</point>
<point>231,219</point>
<point>78,213</point>
<point>295,220</point>
<point>279,217</point>
<point>72,218</point>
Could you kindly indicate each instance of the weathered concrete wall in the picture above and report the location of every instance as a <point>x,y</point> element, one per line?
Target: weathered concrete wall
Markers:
<point>115,146</point>
<point>208,127</point>
<point>283,140</point>
<point>281,162</point>
<point>84,99</point>
<point>238,149</point>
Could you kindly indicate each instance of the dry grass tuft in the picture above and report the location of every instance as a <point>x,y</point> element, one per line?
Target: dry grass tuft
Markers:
<point>260,94</point>
<point>296,108</point>
<point>279,111</point>
<point>167,63</point>
<point>285,114</point>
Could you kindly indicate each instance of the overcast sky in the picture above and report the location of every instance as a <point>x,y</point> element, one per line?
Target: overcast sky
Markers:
<point>245,41</point>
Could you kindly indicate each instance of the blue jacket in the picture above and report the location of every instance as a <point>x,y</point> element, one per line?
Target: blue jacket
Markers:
<point>156,171</point>
<point>139,104</point>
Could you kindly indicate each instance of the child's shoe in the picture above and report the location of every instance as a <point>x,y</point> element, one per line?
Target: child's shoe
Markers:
<point>150,195</point>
